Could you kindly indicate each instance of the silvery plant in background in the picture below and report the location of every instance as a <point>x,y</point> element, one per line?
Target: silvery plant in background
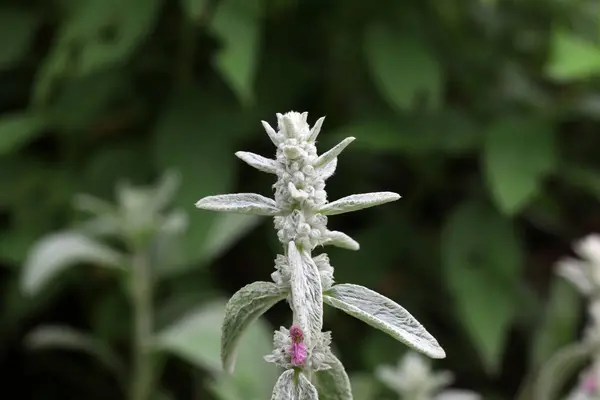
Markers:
<point>300,209</point>
<point>584,274</point>
<point>414,379</point>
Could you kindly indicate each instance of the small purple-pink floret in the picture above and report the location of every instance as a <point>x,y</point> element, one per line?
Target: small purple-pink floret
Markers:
<point>296,333</point>
<point>589,385</point>
<point>298,354</point>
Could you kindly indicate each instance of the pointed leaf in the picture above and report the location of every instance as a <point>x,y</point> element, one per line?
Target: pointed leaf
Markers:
<point>340,239</point>
<point>55,253</point>
<point>244,307</point>
<point>507,148</point>
<point>333,383</point>
<point>327,157</point>
<point>316,129</point>
<point>259,162</point>
<point>559,369</point>
<point>307,299</point>
<point>383,314</point>
<point>67,338</point>
<point>272,133</point>
<point>358,202</point>
<point>244,203</point>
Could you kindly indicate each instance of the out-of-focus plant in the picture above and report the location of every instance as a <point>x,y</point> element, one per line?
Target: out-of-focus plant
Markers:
<point>583,274</point>
<point>300,210</point>
<point>413,379</point>
<point>136,239</point>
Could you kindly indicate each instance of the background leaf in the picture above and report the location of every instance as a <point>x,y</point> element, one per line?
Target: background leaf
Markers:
<point>57,252</point>
<point>572,57</point>
<point>559,323</point>
<point>17,129</point>
<point>188,139</point>
<point>518,153</point>
<point>482,263</point>
<point>237,24</point>
<point>66,338</point>
<point>403,67</point>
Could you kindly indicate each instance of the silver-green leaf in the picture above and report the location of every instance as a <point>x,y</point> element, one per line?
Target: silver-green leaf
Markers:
<point>307,299</point>
<point>341,240</point>
<point>333,383</point>
<point>245,307</point>
<point>557,371</point>
<point>244,203</point>
<point>335,151</point>
<point>259,162</point>
<point>57,252</point>
<point>287,389</point>
<point>385,315</point>
<point>357,202</point>
<point>66,338</point>
<point>284,387</point>
<point>305,390</point>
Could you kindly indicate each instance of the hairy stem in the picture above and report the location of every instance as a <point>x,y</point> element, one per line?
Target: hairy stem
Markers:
<point>143,368</point>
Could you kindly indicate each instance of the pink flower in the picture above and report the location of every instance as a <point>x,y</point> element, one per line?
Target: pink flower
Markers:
<point>298,354</point>
<point>589,384</point>
<point>296,333</point>
<point>298,349</point>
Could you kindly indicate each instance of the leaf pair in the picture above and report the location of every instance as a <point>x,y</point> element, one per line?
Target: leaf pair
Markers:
<point>253,300</point>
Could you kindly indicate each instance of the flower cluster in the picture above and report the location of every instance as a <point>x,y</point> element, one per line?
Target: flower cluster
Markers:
<point>290,350</point>
<point>300,209</point>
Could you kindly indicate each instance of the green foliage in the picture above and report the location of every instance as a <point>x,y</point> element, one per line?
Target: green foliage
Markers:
<point>402,81</point>
<point>18,129</point>
<point>573,58</point>
<point>483,261</point>
<point>512,169</point>
<point>237,24</point>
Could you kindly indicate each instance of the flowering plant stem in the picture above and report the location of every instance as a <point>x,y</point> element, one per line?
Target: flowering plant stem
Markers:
<point>141,291</point>
<point>300,211</point>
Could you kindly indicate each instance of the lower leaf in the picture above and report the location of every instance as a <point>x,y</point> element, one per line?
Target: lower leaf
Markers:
<point>245,307</point>
<point>333,383</point>
<point>293,385</point>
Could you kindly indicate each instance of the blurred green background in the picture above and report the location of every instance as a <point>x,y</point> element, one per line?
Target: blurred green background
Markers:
<point>482,114</point>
